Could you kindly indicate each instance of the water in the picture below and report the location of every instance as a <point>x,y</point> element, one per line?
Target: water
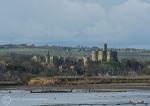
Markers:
<point>25,98</point>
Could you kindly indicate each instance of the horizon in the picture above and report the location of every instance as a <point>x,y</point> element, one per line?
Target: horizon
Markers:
<point>73,45</point>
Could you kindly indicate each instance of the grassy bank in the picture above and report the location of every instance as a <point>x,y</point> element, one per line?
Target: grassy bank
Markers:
<point>87,80</point>
<point>140,82</point>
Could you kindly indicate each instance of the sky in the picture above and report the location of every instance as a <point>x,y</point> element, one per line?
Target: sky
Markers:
<point>120,23</point>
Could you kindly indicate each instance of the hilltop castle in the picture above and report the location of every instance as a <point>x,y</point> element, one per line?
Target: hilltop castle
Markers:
<point>104,55</point>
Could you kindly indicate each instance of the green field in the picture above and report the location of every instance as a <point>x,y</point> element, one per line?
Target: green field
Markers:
<point>41,51</point>
<point>75,52</point>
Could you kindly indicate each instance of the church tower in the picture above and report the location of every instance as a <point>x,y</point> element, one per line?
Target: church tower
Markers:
<point>48,58</point>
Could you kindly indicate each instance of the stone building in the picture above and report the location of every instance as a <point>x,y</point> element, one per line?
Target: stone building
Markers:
<point>112,56</point>
<point>94,55</point>
<point>47,58</point>
<point>104,55</point>
<point>36,58</point>
<point>85,60</point>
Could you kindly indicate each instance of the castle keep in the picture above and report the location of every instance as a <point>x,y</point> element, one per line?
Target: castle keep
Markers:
<point>104,55</point>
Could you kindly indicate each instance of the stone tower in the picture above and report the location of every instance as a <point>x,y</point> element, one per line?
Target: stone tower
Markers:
<point>48,58</point>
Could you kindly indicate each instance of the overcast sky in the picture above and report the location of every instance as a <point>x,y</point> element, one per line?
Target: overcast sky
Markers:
<point>121,23</point>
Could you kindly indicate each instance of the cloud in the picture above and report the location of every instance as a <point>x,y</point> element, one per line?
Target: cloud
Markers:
<point>131,20</point>
<point>52,17</point>
<point>119,22</point>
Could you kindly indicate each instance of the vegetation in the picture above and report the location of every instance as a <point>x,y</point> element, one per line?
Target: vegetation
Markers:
<point>16,64</point>
<point>138,54</point>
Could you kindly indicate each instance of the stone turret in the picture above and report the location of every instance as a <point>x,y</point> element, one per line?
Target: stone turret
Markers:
<point>48,58</point>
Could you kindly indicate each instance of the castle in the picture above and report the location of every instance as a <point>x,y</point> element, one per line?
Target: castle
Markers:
<point>104,55</point>
<point>97,56</point>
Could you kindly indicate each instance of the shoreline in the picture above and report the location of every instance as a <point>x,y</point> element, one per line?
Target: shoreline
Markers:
<point>114,86</point>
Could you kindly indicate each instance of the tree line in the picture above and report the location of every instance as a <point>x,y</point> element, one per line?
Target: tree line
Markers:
<point>19,67</point>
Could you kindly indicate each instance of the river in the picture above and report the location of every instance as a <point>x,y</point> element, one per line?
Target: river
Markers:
<point>25,98</point>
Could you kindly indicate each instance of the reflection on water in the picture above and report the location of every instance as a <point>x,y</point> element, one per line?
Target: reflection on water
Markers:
<point>25,98</point>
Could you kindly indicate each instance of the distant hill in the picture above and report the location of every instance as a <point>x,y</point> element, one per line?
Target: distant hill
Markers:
<point>129,53</point>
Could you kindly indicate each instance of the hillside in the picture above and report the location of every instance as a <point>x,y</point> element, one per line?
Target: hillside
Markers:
<point>139,54</point>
